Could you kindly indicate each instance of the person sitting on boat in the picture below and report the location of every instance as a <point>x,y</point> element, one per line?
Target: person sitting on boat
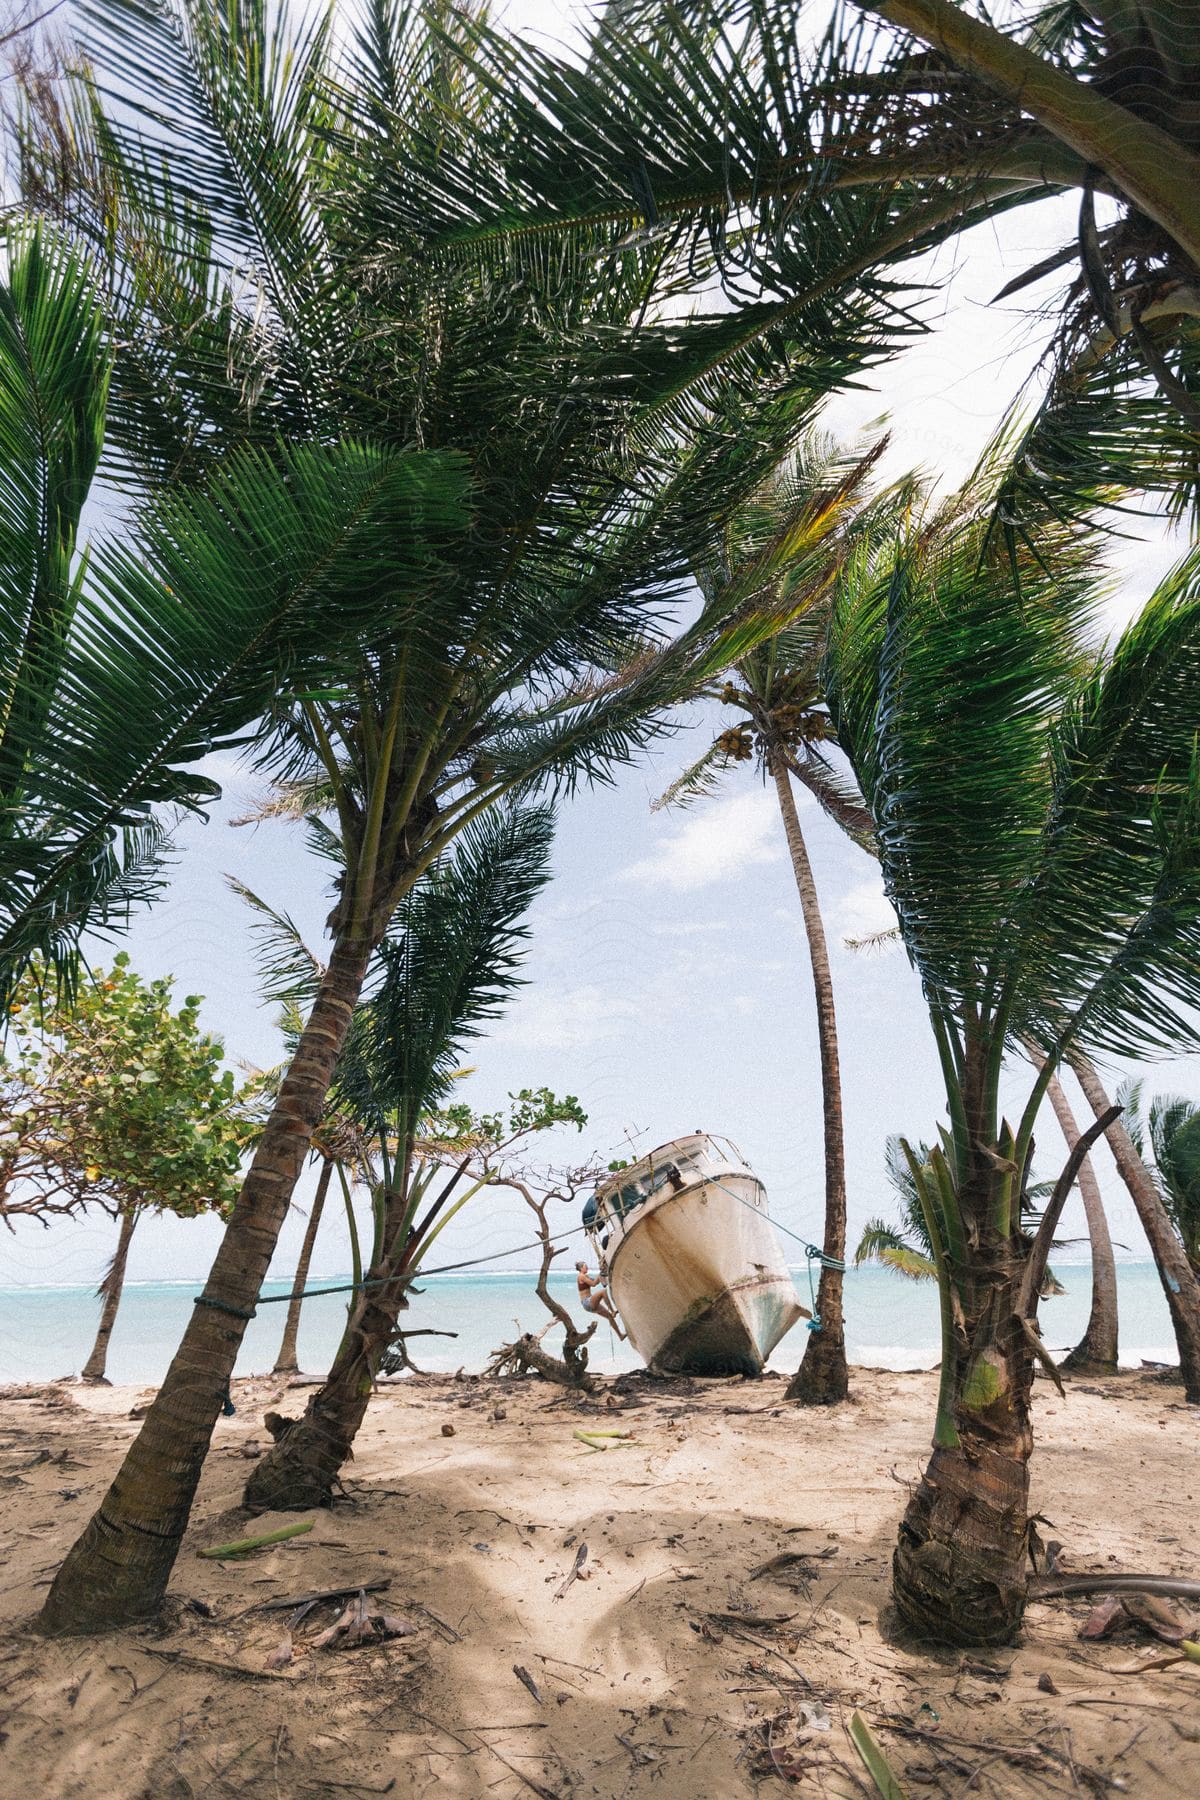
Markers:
<point>595,1300</point>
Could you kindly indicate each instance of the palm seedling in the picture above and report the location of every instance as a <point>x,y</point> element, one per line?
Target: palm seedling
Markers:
<point>1037,813</point>
<point>301,264</point>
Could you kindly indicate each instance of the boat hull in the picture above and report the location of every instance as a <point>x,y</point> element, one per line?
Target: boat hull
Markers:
<point>700,1282</point>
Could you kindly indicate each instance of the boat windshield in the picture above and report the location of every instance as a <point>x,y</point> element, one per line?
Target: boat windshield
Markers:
<point>629,1196</point>
<point>676,1172</point>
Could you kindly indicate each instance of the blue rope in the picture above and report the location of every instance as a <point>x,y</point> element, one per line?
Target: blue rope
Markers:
<point>816,1255</point>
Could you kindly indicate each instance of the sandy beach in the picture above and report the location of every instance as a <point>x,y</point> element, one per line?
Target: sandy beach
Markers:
<point>668,1666</point>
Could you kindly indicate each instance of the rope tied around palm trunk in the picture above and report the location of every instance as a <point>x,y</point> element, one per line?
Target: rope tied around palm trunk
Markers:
<point>222,1306</point>
<point>816,1255</point>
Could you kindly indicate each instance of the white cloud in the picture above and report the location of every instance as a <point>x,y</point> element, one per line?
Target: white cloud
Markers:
<point>566,1018</point>
<point>863,911</point>
<point>717,842</point>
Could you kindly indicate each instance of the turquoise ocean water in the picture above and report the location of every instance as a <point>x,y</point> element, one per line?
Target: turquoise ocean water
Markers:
<point>46,1332</point>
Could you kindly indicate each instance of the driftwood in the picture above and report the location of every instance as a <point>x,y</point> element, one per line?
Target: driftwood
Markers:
<point>289,1602</point>
<point>395,1359</point>
<point>1171,1586</point>
<point>526,1353</point>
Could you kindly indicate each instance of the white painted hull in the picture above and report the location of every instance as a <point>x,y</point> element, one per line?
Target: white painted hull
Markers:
<point>699,1278</point>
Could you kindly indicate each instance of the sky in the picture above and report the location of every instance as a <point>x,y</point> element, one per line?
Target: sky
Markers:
<point>667,981</point>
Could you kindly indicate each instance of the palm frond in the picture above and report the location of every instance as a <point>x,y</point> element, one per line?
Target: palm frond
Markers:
<point>874,941</point>
<point>288,971</point>
<point>942,690</point>
<point>697,782</point>
<point>1128,1097</point>
<point>1114,910</point>
<point>195,136</point>
<point>53,386</point>
<point>446,969</point>
<point>1174,1128</point>
<point>837,795</point>
<point>908,1262</point>
<point>882,1243</point>
<point>180,644</point>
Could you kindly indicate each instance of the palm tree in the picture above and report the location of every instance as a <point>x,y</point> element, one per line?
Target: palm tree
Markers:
<point>339,1149</point>
<point>1045,887</point>
<point>1096,1351</point>
<point>287,1360</point>
<point>290,259</point>
<point>1092,97</point>
<point>1094,93</point>
<point>1174,1270</point>
<point>1175,1135</point>
<point>445,970</point>
<point>908,1247</point>
<point>1173,1128</point>
<point>291,973</point>
<point>109,1293</point>
<point>785,547</point>
<point>874,123</point>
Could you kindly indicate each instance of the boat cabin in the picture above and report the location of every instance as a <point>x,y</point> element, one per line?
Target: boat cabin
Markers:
<point>670,1169</point>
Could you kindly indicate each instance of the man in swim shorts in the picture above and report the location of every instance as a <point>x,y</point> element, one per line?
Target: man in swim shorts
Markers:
<point>594,1298</point>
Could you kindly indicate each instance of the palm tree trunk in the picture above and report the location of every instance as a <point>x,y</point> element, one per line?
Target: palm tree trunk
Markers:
<point>1096,1351</point>
<point>110,1290</point>
<point>302,1467</point>
<point>1179,1281</point>
<point>118,1570</point>
<point>285,1362</point>
<point>959,1570</point>
<point>959,1567</point>
<point>822,1378</point>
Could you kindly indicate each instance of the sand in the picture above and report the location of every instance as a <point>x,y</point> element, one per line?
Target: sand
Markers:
<point>642,1686</point>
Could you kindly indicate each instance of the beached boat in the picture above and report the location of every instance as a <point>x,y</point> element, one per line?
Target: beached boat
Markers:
<point>693,1263</point>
